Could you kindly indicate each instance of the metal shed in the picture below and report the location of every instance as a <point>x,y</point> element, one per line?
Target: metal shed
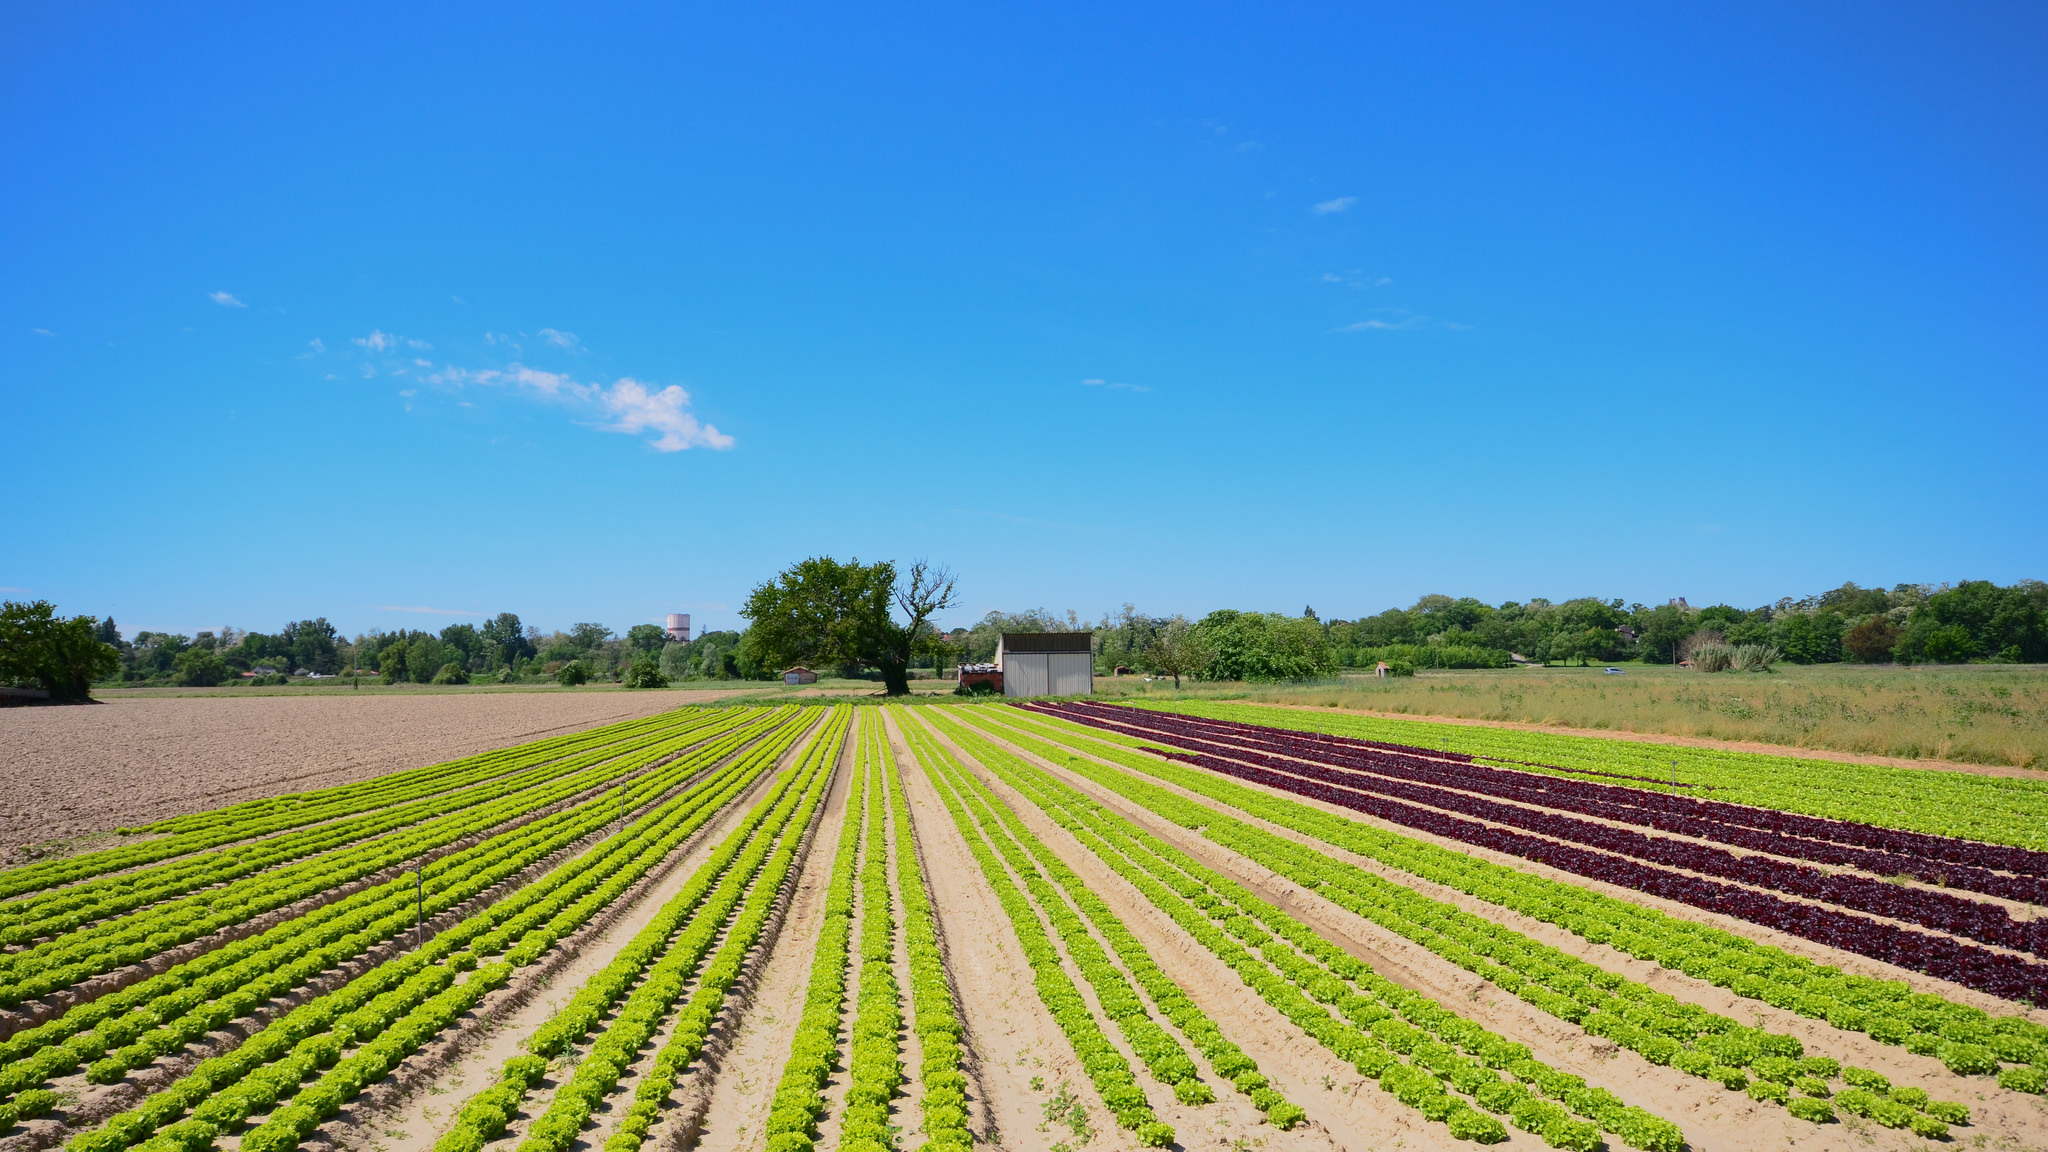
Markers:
<point>1047,663</point>
<point>799,675</point>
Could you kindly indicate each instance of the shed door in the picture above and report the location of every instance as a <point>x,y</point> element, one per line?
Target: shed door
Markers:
<point>1024,674</point>
<point>1071,673</point>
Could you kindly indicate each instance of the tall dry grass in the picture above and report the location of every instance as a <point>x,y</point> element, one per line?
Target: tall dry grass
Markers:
<point>1982,714</point>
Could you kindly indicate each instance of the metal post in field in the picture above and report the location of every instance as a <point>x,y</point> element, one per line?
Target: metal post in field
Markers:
<point>419,908</point>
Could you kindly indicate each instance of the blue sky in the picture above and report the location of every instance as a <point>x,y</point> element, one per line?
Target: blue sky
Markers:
<point>599,312</point>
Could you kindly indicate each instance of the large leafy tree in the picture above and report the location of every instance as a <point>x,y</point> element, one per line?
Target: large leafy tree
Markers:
<point>63,656</point>
<point>822,613</point>
<point>1262,646</point>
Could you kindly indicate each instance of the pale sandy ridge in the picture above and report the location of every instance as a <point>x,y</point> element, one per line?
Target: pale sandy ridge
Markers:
<point>1008,1029</point>
<point>78,771</point>
<point>468,1060</point>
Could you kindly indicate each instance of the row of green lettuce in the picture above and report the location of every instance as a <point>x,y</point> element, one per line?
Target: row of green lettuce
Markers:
<point>1661,1028</point>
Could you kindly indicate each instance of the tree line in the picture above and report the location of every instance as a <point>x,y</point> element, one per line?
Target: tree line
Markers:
<point>872,620</point>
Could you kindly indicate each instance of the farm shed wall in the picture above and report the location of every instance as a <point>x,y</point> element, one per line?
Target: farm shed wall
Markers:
<point>1047,663</point>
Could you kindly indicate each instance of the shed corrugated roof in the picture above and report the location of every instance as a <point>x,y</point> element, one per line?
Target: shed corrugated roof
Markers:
<point>1048,641</point>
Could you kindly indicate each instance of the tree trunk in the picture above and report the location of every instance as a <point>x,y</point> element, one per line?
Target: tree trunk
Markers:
<point>896,677</point>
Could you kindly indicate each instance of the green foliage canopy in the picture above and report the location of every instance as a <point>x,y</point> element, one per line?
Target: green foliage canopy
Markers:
<point>62,657</point>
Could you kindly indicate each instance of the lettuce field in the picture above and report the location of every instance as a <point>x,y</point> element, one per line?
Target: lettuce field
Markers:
<point>1055,926</point>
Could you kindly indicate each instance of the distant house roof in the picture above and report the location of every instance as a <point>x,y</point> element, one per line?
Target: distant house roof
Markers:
<point>1048,641</point>
<point>795,668</point>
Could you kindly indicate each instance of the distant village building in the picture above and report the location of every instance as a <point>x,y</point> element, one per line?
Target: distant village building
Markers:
<point>1047,663</point>
<point>799,675</point>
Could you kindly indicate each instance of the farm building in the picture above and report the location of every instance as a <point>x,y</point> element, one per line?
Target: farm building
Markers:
<point>678,627</point>
<point>799,675</point>
<point>973,675</point>
<point>1047,663</point>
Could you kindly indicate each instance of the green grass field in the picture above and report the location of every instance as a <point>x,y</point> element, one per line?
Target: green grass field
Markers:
<point>1977,714</point>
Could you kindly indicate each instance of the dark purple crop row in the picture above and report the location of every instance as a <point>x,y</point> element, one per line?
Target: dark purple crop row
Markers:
<point>2003,975</point>
<point>1608,802</point>
<point>1957,864</point>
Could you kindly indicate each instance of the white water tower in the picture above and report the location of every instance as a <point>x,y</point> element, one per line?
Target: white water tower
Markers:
<point>679,627</point>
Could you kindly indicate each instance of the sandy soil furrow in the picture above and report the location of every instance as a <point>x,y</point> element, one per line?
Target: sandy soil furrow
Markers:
<point>1345,1110</point>
<point>740,1094</point>
<point>912,838</point>
<point>1231,1117</point>
<point>410,1118</point>
<point>1712,1117</point>
<point>80,771</point>
<point>1007,1026</point>
<point>95,1103</point>
<point>49,1007</point>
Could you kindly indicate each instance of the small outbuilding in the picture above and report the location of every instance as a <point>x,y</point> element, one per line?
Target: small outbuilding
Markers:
<point>1047,663</point>
<point>985,677</point>
<point>799,675</point>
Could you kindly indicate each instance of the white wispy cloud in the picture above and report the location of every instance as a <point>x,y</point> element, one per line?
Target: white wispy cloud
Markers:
<point>1095,382</point>
<point>225,299</point>
<point>626,406</point>
<point>423,363</point>
<point>559,339</point>
<point>317,344</point>
<point>1400,319</point>
<point>42,332</point>
<point>1337,205</point>
<point>381,341</point>
<point>425,611</point>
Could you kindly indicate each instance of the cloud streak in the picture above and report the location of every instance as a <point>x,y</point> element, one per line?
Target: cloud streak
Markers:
<point>1328,207</point>
<point>425,611</point>
<point>626,406</point>
<point>1117,385</point>
<point>225,299</point>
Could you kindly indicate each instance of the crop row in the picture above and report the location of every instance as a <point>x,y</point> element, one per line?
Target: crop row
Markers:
<point>79,955</point>
<point>874,1069</point>
<point>1106,1067</point>
<point>674,944</point>
<point>66,909</point>
<point>799,1101</point>
<point>692,1025</point>
<point>1161,1054</point>
<point>1375,1023</point>
<point>522,927</point>
<point>934,1015</point>
<point>1994,809</point>
<point>159,1016</point>
<point>1978,920</point>
<point>1943,860</point>
<point>1963,1037</point>
<point>1164,1059</point>
<point>185,835</point>
<point>1997,973</point>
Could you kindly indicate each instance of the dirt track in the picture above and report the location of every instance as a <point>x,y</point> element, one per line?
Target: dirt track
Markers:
<point>75,771</point>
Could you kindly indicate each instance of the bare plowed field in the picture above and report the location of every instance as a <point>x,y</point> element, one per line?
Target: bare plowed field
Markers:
<point>76,771</point>
<point>784,927</point>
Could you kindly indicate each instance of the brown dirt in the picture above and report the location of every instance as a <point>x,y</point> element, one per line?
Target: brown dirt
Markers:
<point>744,1087</point>
<point>74,772</point>
<point>1007,1026</point>
<point>1347,1113</point>
<point>1711,1117</point>
<point>412,1119</point>
<point>1688,742</point>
